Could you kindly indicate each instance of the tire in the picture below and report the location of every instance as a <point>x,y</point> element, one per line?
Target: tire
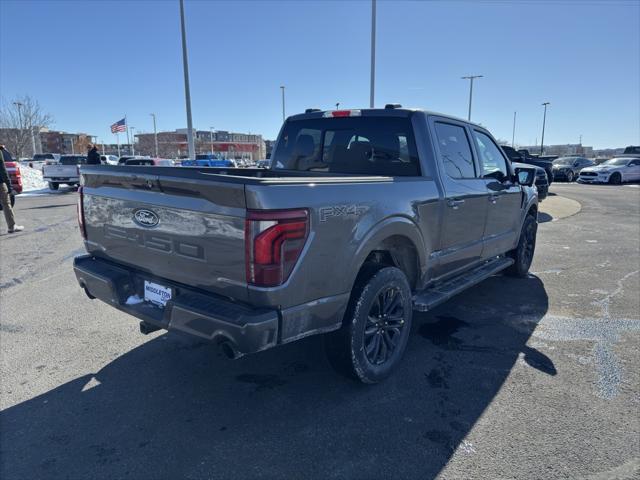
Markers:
<point>523,253</point>
<point>615,178</point>
<point>53,186</point>
<point>570,176</point>
<point>376,326</point>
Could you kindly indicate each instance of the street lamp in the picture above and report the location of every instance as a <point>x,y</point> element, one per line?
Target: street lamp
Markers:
<point>155,133</point>
<point>544,120</point>
<point>470,78</point>
<point>513,134</point>
<point>133,142</point>
<point>282,88</point>
<point>337,105</point>
<point>211,138</point>
<point>373,54</point>
<point>187,92</point>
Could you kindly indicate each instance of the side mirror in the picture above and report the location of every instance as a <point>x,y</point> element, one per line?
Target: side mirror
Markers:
<point>526,176</point>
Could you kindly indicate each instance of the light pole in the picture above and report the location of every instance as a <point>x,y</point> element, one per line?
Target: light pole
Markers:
<point>187,92</point>
<point>155,133</point>
<point>133,141</point>
<point>337,105</point>
<point>373,54</point>
<point>211,138</point>
<point>282,88</point>
<point>470,78</point>
<point>544,120</point>
<point>513,134</point>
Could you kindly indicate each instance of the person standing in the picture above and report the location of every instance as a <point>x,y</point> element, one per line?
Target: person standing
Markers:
<point>5,193</point>
<point>93,157</point>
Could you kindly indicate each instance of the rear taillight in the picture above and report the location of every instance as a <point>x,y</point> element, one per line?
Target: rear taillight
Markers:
<point>274,240</point>
<point>83,231</point>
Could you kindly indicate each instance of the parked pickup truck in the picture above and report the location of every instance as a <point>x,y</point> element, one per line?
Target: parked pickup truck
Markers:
<point>363,216</point>
<point>66,171</point>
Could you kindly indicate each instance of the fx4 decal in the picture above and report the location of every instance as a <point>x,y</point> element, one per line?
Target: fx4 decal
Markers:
<point>341,211</point>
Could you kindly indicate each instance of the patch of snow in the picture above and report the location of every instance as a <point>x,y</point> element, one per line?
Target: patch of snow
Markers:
<point>32,179</point>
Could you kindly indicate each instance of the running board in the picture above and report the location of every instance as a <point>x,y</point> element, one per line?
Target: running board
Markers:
<point>437,294</point>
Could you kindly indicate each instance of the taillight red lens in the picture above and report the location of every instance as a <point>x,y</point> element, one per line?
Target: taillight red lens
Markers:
<point>83,231</point>
<point>274,240</point>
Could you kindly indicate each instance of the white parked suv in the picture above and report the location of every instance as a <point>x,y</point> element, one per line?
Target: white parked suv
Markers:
<point>616,171</point>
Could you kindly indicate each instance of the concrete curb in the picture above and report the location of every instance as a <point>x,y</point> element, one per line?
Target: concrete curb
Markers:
<point>555,207</point>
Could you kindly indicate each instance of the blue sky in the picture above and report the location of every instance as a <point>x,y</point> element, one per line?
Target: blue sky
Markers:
<point>90,62</point>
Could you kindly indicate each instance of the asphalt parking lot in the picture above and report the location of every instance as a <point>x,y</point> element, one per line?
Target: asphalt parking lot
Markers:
<point>530,378</point>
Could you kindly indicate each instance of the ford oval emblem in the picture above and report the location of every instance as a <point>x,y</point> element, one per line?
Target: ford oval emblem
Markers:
<point>145,218</point>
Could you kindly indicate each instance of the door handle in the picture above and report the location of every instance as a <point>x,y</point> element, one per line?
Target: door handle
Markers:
<point>454,203</point>
<point>494,199</point>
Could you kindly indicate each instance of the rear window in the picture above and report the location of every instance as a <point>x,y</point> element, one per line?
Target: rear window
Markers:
<point>73,160</point>
<point>357,145</point>
<point>141,161</point>
<point>39,157</point>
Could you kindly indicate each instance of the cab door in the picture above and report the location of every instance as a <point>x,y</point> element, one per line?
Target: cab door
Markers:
<point>504,196</point>
<point>465,207</point>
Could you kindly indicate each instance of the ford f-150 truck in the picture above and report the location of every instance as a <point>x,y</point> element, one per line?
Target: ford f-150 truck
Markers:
<point>363,217</point>
<point>66,171</point>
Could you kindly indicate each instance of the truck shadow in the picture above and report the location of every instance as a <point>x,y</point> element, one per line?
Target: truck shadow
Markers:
<point>176,408</point>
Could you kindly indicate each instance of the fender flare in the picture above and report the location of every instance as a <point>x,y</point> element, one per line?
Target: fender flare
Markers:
<point>396,226</point>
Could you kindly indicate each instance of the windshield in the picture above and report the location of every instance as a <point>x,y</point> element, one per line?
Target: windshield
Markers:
<point>358,145</point>
<point>564,161</point>
<point>616,161</point>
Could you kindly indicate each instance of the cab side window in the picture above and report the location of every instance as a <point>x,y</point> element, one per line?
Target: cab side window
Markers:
<point>455,151</point>
<point>491,158</point>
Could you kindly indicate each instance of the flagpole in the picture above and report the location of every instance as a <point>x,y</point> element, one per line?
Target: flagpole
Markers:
<point>126,124</point>
<point>118,140</point>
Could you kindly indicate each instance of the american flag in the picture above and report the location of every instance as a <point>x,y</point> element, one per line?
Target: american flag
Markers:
<point>119,126</point>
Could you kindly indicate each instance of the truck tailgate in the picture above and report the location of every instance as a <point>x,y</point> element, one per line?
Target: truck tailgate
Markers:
<point>60,171</point>
<point>189,231</point>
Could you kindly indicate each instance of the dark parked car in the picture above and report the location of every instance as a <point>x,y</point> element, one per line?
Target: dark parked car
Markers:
<point>523,156</point>
<point>568,168</point>
<point>542,179</point>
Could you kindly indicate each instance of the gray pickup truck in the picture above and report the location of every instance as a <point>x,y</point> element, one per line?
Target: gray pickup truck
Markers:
<point>363,217</point>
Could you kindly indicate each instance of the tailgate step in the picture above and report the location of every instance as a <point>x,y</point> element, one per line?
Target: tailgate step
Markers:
<point>437,294</point>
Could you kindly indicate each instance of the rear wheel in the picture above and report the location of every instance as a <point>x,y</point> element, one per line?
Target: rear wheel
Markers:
<point>523,253</point>
<point>570,176</point>
<point>53,186</point>
<point>615,178</point>
<point>376,327</point>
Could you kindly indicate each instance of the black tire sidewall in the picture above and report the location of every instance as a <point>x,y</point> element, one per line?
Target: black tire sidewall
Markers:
<point>386,277</point>
<point>519,269</point>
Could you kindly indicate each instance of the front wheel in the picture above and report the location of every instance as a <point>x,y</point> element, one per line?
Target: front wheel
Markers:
<point>523,253</point>
<point>570,176</point>
<point>53,186</point>
<point>615,178</point>
<point>376,327</point>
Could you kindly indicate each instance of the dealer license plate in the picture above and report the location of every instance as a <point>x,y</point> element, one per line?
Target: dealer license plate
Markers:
<point>156,294</point>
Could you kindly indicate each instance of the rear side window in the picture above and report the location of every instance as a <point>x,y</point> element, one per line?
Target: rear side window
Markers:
<point>455,151</point>
<point>357,145</point>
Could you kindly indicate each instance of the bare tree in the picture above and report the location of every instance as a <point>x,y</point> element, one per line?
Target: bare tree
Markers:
<point>20,122</point>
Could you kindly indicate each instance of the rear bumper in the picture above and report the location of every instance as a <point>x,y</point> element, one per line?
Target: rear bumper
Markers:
<point>244,329</point>
<point>62,179</point>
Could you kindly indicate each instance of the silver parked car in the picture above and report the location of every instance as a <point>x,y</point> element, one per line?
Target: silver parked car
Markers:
<point>616,171</point>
